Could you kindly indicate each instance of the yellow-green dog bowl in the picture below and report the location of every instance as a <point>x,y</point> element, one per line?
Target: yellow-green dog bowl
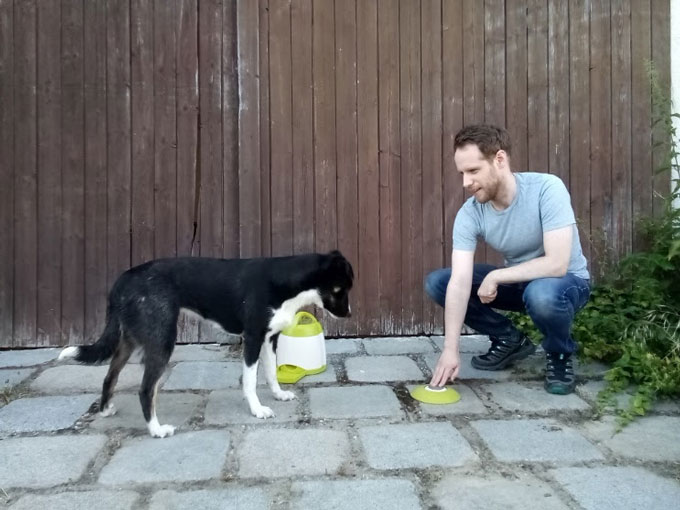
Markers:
<point>290,374</point>
<point>435,395</point>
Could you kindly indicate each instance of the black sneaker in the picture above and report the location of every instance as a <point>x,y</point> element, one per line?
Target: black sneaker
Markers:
<point>503,352</point>
<point>559,374</point>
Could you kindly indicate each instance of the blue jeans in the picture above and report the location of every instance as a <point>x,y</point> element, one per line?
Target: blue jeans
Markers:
<point>550,302</point>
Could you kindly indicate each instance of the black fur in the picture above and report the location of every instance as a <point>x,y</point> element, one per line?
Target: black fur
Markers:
<point>238,294</point>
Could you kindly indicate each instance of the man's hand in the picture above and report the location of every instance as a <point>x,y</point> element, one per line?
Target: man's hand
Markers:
<point>447,367</point>
<point>488,290</point>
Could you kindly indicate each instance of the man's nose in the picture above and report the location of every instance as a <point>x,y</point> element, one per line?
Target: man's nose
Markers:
<point>466,181</point>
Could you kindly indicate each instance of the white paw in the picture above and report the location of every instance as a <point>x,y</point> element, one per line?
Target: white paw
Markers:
<point>162,431</point>
<point>263,412</point>
<point>284,395</point>
<point>109,410</point>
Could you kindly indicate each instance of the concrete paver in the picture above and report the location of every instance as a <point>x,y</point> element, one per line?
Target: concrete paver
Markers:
<point>10,377</point>
<point>353,439</point>
<point>416,445</point>
<point>182,458</point>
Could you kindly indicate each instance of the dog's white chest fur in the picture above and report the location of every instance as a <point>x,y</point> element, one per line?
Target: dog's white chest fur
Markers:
<point>285,315</point>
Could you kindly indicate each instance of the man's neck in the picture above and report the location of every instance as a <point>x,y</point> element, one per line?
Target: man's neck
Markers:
<point>506,192</point>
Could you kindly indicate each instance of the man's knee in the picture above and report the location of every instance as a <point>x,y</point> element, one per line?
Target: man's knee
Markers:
<point>436,283</point>
<point>543,301</point>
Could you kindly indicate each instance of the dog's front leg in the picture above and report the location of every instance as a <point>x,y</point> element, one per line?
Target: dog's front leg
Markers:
<point>268,357</point>
<point>249,392</point>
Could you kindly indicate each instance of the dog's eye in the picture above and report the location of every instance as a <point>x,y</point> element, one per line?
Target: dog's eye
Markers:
<point>336,290</point>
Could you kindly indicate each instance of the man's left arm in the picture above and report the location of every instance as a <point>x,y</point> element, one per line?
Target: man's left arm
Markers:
<point>555,262</point>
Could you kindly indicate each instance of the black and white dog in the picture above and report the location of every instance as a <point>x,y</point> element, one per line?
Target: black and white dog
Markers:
<point>256,298</point>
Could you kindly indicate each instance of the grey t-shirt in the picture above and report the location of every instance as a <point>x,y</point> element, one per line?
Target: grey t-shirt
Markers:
<point>542,204</point>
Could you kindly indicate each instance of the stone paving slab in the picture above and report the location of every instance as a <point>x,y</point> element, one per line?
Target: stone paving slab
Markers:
<point>212,499</point>
<point>618,488</point>
<point>389,493</point>
<point>10,377</point>
<point>342,346</point>
<point>27,357</point>
<point>46,461</point>
<point>87,500</point>
<point>204,375</point>
<point>415,445</point>
<point>541,440</point>
<point>475,344</point>
<point>184,457</point>
<point>652,438</point>
<point>230,407</point>
<point>469,403</point>
<point>398,345</point>
<point>173,408</point>
<point>532,398</point>
<point>43,414</point>
<point>518,491</point>
<point>467,371</point>
<point>590,390</point>
<point>200,352</point>
<point>273,453</point>
<point>88,379</point>
<point>382,369</point>
<point>350,402</point>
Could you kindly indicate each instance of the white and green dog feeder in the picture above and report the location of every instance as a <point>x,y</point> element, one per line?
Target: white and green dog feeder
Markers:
<point>300,349</point>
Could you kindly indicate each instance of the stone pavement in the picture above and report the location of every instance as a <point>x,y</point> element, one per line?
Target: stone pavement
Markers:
<point>354,439</point>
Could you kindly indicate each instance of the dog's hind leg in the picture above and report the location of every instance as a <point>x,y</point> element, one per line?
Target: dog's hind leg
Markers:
<point>268,357</point>
<point>147,397</point>
<point>120,358</point>
<point>251,353</point>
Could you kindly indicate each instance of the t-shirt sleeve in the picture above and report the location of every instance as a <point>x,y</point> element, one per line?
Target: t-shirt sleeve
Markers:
<point>555,206</point>
<point>465,229</point>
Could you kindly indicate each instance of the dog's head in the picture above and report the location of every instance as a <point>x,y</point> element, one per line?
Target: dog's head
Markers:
<point>336,278</point>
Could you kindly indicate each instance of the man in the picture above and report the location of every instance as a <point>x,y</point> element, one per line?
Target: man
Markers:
<point>528,218</point>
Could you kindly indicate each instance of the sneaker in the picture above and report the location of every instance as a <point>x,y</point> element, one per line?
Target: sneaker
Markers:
<point>503,352</point>
<point>559,374</point>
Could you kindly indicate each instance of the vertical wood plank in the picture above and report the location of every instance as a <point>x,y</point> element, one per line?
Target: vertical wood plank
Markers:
<point>73,174</point>
<point>25,175</point>
<point>187,145</point>
<point>600,132</point>
<point>537,86</point>
<point>7,169</point>
<point>118,137</point>
<point>248,26</point>
<point>390,158</point>
<point>411,167</point>
<point>517,72</point>
<point>494,62</point>
<point>323,55</point>
<point>432,183</point>
<point>621,129</point>
<point>346,139</point>
<point>366,295</point>
<point>143,132</point>
<point>558,89</point>
<point>280,111</point>
<point>303,141</point>
<point>641,104</point>
<point>230,137</point>
<point>210,95</point>
<point>661,36</point>
<point>579,117</point>
<point>453,113</point>
<point>49,173</point>
<point>165,128</point>
<point>96,253</point>
<point>265,149</point>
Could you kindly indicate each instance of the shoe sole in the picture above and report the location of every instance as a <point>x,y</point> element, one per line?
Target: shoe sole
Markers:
<point>519,355</point>
<point>559,389</point>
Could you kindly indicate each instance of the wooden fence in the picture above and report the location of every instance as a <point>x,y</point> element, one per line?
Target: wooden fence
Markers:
<point>134,129</point>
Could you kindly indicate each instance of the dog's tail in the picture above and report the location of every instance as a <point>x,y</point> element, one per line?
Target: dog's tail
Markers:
<point>102,349</point>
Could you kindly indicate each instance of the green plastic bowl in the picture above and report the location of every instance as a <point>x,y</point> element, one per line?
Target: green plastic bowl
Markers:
<point>440,396</point>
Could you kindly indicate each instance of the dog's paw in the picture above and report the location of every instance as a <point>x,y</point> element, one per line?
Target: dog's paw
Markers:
<point>263,412</point>
<point>162,431</point>
<point>109,410</point>
<point>284,395</point>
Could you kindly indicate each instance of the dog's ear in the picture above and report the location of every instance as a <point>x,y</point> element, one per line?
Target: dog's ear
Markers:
<point>340,265</point>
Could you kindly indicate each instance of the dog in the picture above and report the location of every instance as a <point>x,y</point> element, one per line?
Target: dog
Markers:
<point>256,298</point>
